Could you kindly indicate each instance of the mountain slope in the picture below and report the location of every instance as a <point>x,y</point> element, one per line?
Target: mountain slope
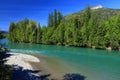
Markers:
<point>104,12</point>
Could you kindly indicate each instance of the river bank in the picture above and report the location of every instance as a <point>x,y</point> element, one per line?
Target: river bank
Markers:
<point>62,59</point>
<point>50,66</point>
<point>21,60</point>
<point>35,62</point>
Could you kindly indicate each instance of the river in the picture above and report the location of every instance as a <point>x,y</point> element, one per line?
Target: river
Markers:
<point>93,64</point>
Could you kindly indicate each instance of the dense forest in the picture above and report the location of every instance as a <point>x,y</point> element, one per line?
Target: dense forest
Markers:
<point>88,29</point>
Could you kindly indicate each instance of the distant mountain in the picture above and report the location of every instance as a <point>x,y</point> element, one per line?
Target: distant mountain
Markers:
<point>96,7</point>
<point>104,12</point>
<point>4,32</point>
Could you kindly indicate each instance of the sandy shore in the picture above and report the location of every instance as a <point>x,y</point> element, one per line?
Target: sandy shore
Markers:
<point>48,65</point>
<point>22,60</point>
<point>37,62</point>
<point>32,62</point>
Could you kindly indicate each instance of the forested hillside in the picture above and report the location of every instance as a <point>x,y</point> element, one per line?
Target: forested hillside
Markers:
<point>105,13</point>
<point>98,28</point>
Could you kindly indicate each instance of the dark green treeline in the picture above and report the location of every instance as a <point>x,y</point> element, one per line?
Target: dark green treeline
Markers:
<point>85,30</point>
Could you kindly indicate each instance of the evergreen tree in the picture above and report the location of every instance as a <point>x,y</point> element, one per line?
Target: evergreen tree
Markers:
<point>39,34</point>
<point>11,31</point>
<point>59,17</point>
<point>55,18</point>
<point>31,31</point>
<point>50,20</point>
<point>85,30</point>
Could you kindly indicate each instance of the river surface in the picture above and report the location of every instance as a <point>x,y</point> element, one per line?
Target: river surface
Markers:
<point>91,63</point>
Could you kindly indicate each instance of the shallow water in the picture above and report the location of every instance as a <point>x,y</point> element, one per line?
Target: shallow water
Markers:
<point>93,64</point>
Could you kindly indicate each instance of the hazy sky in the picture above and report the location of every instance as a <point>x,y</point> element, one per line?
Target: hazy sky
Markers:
<point>15,10</point>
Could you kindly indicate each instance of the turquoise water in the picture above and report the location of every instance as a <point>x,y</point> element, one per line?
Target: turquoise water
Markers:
<point>93,64</point>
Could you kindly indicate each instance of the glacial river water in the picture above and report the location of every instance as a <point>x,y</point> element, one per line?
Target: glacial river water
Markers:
<point>91,63</point>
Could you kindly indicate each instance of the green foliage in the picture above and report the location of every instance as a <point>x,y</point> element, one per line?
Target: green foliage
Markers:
<point>50,20</point>
<point>1,35</point>
<point>12,31</point>
<point>89,28</point>
<point>112,36</point>
<point>39,34</point>
<point>54,19</point>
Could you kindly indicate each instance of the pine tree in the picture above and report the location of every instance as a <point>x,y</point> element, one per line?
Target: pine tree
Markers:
<point>55,18</point>
<point>59,17</point>
<point>11,31</point>
<point>50,20</point>
<point>85,30</point>
<point>39,34</point>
